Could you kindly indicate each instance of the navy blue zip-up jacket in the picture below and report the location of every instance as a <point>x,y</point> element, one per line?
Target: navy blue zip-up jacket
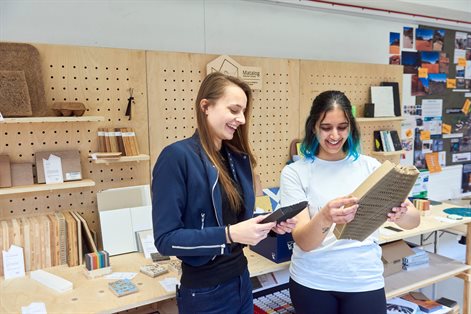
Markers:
<point>187,205</point>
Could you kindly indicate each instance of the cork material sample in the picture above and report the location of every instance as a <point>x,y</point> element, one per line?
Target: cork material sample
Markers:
<point>25,57</point>
<point>14,95</point>
<point>387,187</point>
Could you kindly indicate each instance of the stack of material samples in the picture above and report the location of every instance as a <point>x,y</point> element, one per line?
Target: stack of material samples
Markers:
<point>418,260</point>
<point>122,287</point>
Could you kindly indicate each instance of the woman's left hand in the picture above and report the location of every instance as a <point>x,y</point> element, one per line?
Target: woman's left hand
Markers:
<point>285,226</point>
<point>397,212</point>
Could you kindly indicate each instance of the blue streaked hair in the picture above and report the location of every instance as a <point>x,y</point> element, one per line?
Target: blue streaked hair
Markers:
<point>323,103</point>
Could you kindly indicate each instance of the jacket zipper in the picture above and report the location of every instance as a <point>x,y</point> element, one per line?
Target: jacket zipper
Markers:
<point>198,247</point>
<point>212,197</point>
<point>202,220</point>
<point>215,212</point>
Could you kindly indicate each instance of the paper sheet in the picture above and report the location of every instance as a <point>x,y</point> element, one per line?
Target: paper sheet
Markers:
<point>53,169</point>
<point>13,262</point>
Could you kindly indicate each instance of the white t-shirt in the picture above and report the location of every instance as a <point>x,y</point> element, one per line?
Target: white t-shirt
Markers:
<point>336,265</point>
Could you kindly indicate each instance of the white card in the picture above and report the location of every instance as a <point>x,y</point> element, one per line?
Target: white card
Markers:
<point>13,262</point>
<point>382,97</point>
<point>148,245</point>
<point>34,308</point>
<point>121,275</point>
<point>169,284</point>
<point>53,169</point>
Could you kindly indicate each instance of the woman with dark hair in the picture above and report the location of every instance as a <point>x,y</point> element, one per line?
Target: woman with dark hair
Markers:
<point>203,201</point>
<point>330,276</point>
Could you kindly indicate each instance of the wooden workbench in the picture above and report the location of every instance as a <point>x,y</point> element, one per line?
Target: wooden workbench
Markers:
<point>93,295</point>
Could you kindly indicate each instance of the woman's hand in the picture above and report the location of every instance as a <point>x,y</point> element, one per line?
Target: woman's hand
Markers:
<point>397,212</point>
<point>340,210</point>
<point>251,231</point>
<point>285,226</point>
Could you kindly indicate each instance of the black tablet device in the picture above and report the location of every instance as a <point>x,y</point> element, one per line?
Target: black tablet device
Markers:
<point>284,213</point>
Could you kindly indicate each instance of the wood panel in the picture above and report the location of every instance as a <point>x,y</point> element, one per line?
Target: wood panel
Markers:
<point>174,80</point>
<point>165,86</point>
<point>99,78</point>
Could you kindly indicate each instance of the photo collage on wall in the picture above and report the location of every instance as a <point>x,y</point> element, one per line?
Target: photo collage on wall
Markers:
<point>428,63</point>
<point>436,131</point>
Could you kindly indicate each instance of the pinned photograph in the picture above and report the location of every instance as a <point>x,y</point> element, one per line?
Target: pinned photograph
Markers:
<point>410,61</point>
<point>423,39</point>
<point>408,37</point>
<point>437,83</point>
<point>443,65</point>
<point>394,43</point>
<point>430,60</point>
<point>395,59</point>
<point>419,86</point>
<point>461,40</point>
<point>438,40</point>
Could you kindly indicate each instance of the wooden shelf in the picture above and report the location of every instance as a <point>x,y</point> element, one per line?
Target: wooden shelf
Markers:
<point>137,158</point>
<point>53,119</point>
<point>440,268</point>
<point>395,153</point>
<point>385,119</point>
<point>46,187</point>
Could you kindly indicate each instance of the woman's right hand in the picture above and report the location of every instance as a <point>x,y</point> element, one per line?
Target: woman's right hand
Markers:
<point>251,231</point>
<point>340,210</point>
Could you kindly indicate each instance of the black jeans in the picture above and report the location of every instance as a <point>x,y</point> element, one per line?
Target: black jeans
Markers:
<point>311,301</point>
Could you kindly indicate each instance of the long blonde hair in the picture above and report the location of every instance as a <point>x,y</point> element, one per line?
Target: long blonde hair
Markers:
<point>212,88</point>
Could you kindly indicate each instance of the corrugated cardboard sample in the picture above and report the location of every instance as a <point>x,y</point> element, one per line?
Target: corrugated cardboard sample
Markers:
<point>392,255</point>
<point>70,160</point>
<point>387,187</point>
<point>5,171</point>
<point>22,174</point>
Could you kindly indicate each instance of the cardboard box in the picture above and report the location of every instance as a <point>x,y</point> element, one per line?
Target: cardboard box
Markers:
<point>278,248</point>
<point>22,174</point>
<point>393,253</point>
<point>5,171</point>
<point>70,160</point>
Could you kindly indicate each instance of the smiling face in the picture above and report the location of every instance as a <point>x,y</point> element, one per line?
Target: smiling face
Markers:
<point>332,132</point>
<point>225,114</point>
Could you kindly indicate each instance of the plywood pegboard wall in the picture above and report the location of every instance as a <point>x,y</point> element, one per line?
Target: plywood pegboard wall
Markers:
<point>354,79</point>
<point>174,80</point>
<point>100,78</point>
<point>165,86</point>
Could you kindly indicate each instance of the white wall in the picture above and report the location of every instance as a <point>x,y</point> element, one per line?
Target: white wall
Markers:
<point>212,26</point>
